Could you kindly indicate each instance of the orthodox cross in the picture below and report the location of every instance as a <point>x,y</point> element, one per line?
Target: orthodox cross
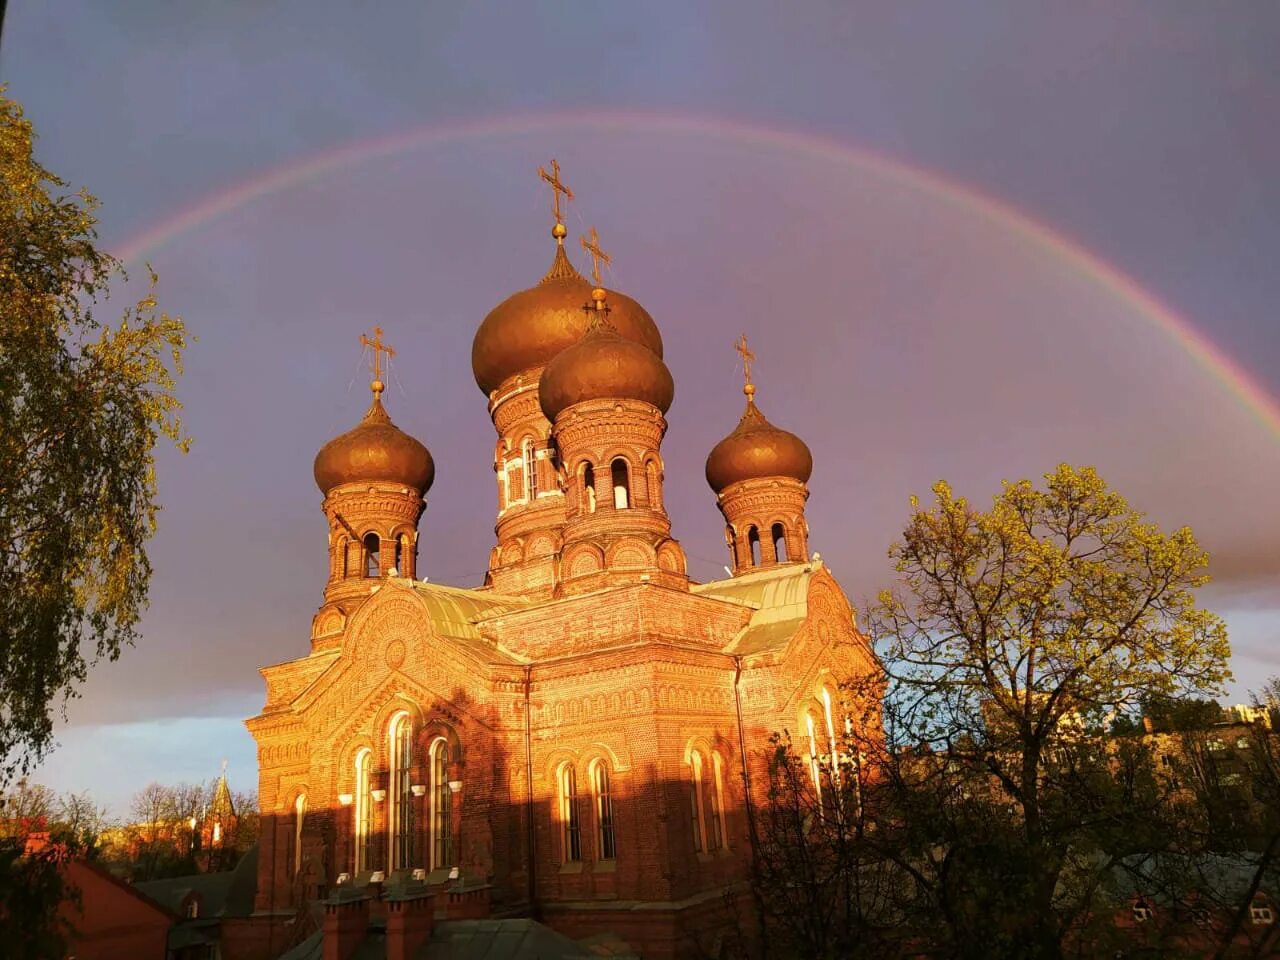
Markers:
<point>379,348</point>
<point>747,356</point>
<point>558,187</point>
<point>598,256</point>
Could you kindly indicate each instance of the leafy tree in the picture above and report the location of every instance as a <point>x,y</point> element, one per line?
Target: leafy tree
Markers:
<point>82,406</point>
<point>1013,635</point>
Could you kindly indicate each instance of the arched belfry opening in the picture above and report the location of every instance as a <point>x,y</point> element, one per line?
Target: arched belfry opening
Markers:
<point>753,545</point>
<point>372,554</point>
<point>589,487</point>
<point>780,542</point>
<point>621,484</point>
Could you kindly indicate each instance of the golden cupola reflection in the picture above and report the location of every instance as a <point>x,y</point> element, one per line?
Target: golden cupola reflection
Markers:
<point>759,473</point>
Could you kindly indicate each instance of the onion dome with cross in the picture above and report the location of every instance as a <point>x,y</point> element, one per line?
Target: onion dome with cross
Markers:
<point>603,364</point>
<point>530,327</point>
<point>376,449</point>
<point>756,448</point>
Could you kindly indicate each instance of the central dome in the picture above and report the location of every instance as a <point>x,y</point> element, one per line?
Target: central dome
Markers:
<point>529,328</point>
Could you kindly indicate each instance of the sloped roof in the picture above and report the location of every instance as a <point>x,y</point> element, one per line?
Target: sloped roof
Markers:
<point>778,597</point>
<point>455,611</point>
<point>228,893</point>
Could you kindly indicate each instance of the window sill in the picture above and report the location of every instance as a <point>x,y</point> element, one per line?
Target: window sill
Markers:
<point>605,866</point>
<point>573,866</point>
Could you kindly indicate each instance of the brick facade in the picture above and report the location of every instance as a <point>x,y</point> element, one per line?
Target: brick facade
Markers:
<point>540,736</point>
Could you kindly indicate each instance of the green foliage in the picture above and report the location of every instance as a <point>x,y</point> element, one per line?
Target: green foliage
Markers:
<point>995,814</point>
<point>82,406</point>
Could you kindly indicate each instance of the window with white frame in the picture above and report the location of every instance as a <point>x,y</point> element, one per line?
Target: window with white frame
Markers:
<point>570,826</point>
<point>441,806</point>
<point>696,799</point>
<point>1261,913</point>
<point>529,456</point>
<point>400,815</point>
<point>715,835</point>
<point>362,810</point>
<point>606,842</point>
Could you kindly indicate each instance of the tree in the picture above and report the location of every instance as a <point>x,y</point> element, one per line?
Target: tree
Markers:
<point>82,407</point>
<point>1013,636</point>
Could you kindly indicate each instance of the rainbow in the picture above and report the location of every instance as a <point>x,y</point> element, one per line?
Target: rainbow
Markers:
<point>1071,255</point>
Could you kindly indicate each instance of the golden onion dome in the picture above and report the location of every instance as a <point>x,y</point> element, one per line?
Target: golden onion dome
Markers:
<point>755,449</point>
<point>375,450</point>
<point>603,365</point>
<point>530,327</point>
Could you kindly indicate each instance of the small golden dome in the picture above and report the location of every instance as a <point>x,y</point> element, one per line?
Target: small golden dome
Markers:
<point>530,327</point>
<point>604,366</point>
<point>375,450</point>
<point>757,448</point>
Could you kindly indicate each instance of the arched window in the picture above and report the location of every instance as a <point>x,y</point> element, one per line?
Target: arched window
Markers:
<point>441,806</point>
<point>589,487</point>
<point>814,770</point>
<point>696,802</point>
<point>621,484</point>
<point>753,544</point>
<point>404,556</point>
<point>606,844</point>
<point>717,834</point>
<point>372,549</point>
<point>780,542</point>
<point>363,810</point>
<point>299,815</point>
<point>343,545</point>
<point>400,819</point>
<point>570,827</point>
<point>529,456</point>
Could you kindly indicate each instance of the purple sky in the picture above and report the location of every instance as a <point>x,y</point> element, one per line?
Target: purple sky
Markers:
<point>905,332</point>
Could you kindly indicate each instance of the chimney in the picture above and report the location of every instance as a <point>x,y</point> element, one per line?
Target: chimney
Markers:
<point>409,921</point>
<point>345,924</point>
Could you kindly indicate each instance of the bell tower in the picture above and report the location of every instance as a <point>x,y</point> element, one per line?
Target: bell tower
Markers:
<point>374,479</point>
<point>760,474</point>
<point>606,397</point>
<point>510,351</point>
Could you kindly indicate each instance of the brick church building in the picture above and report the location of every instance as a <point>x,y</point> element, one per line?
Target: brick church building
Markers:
<point>580,738</point>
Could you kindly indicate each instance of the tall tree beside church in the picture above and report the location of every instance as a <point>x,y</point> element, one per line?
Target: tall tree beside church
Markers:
<point>83,404</point>
<point>1013,635</point>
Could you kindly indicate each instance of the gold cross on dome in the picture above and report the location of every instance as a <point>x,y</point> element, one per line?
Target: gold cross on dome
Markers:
<point>747,356</point>
<point>379,348</point>
<point>598,256</point>
<point>558,187</point>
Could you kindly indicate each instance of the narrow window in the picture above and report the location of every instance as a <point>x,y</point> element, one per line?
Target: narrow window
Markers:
<point>343,546</point>
<point>193,909</point>
<point>717,804</point>
<point>404,554</point>
<point>372,548</point>
<point>363,811</point>
<point>530,470</point>
<point>441,807</point>
<point>780,542</point>
<point>753,542</point>
<point>589,487</point>
<point>695,799</point>
<point>814,772</point>
<point>572,833</point>
<point>604,812</point>
<point>299,815</point>
<point>621,484</point>
<point>400,821</point>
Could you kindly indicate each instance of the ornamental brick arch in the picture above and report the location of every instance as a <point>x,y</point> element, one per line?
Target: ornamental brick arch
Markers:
<point>630,553</point>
